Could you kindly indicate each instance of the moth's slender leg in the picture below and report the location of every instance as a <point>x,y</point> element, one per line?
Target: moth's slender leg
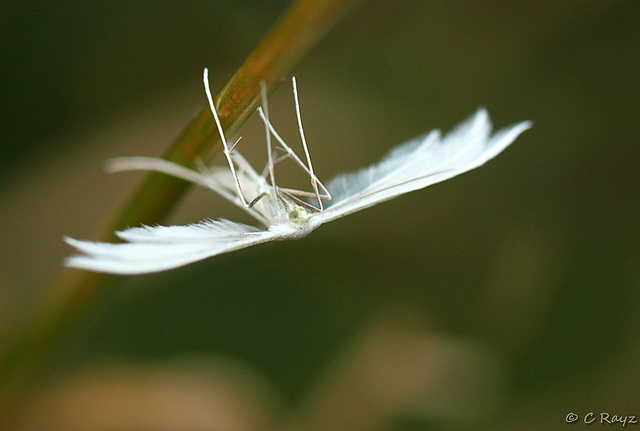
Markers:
<point>302,193</point>
<point>233,147</point>
<point>211,182</point>
<point>225,150</point>
<point>272,173</point>
<point>245,168</point>
<point>257,198</point>
<point>300,201</point>
<point>314,184</point>
<point>290,153</point>
<point>293,194</point>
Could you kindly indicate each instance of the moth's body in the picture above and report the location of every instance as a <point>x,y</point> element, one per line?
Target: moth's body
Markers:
<point>279,213</point>
<point>287,219</point>
<point>286,213</point>
<point>292,230</point>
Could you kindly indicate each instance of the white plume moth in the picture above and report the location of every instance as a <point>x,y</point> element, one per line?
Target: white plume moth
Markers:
<point>286,213</point>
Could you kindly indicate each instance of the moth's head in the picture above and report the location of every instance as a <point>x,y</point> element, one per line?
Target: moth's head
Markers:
<point>299,214</point>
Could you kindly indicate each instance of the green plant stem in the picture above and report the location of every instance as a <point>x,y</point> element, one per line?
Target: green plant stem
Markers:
<point>300,28</point>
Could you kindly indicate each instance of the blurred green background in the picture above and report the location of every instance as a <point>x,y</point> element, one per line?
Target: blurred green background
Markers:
<point>507,297</point>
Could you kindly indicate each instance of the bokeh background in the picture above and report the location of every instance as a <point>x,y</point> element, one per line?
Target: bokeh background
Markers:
<point>505,298</point>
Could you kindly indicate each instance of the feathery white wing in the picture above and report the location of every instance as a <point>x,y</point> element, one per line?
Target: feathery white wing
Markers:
<point>411,166</point>
<point>217,179</point>
<point>418,164</point>
<point>159,248</point>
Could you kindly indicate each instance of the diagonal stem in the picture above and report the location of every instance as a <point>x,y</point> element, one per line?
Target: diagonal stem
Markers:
<point>75,294</point>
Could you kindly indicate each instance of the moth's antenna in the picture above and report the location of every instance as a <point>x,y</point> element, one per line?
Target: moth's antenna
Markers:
<point>314,184</point>
<point>225,150</point>
<point>270,163</point>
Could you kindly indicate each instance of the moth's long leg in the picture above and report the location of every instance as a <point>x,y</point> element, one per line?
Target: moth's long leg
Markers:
<point>244,168</point>
<point>233,147</point>
<point>257,199</point>
<point>303,193</point>
<point>225,145</point>
<point>293,193</point>
<point>270,163</point>
<point>291,154</point>
<point>314,183</point>
<point>300,201</point>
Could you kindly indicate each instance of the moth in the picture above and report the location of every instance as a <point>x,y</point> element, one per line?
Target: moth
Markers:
<point>285,213</point>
